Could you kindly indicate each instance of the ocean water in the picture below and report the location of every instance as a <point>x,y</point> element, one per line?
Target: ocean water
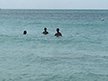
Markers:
<point>81,54</point>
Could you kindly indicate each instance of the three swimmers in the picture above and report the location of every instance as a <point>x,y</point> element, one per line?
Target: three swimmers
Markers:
<point>46,32</point>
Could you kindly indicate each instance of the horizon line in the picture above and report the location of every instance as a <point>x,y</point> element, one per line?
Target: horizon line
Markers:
<point>49,9</point>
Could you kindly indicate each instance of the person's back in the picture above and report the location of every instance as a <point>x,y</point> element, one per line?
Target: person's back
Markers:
<point>45,32</point>
<point>58,33</point>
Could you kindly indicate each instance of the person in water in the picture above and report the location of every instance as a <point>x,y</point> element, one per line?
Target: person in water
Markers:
<point>45,31</point>
<point>58,33</point>
<point>25,32</point>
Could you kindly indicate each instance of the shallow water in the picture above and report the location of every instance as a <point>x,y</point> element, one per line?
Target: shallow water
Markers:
<point>81,54</point>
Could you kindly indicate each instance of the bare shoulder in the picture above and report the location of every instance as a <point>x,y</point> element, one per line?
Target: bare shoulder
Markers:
<point>45,32</point>
<point>58,34</point>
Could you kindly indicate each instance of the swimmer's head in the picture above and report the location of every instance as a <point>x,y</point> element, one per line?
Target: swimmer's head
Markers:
<point>25,32</point>
<point>57,29</point>
<point>45,29</point>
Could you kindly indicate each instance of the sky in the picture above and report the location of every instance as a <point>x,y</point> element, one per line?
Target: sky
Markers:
<point>54,4</point>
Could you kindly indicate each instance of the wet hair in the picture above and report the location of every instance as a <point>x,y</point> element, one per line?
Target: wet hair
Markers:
<point>45,29</point>
<point>57,29</point>
<point>25,32</point>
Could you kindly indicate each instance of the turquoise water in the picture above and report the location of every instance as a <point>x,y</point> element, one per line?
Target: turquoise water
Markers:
<point>81,54</point>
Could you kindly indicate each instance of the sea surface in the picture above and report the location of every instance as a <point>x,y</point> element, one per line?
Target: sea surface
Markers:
<point>81,54</point>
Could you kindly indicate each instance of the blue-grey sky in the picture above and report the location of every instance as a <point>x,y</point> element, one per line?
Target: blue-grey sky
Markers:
<point>54,4</point>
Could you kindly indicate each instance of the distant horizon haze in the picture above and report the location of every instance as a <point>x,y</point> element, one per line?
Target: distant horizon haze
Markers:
<point>54,4</point>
